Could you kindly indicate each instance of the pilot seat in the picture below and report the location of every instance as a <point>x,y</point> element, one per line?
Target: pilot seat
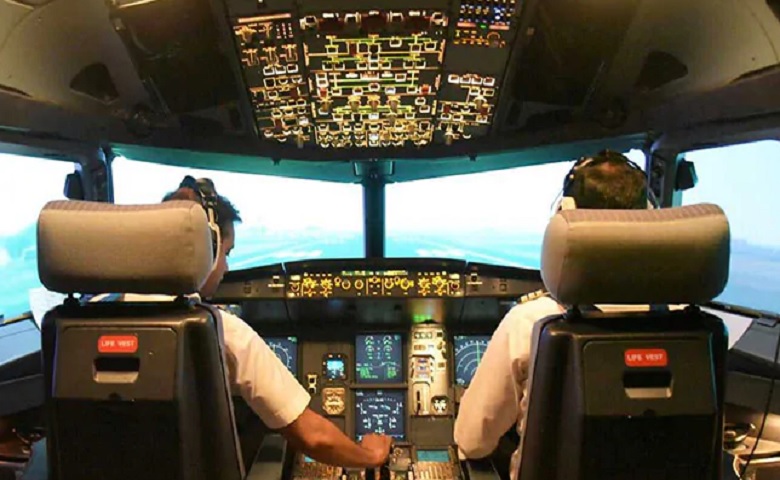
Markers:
<point>134,390</point>
<point>637,394</point>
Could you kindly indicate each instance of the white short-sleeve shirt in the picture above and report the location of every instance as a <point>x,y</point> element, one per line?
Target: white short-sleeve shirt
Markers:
<point>497,397</point>
<point>254,371</point>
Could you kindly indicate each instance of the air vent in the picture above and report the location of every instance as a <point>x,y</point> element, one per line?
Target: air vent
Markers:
<point>95,81</point>
<point>574,42</point>
<point>659,69</point>
<point>201,126</point>
<point>513,115</point>
<point>175,45</point>
<point>235,118</point>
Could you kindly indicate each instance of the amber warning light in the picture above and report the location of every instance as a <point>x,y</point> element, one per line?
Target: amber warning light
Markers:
<point>650,357</point>
<point>118,344</point>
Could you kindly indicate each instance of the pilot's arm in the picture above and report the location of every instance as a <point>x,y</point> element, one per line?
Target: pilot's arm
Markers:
<point>492,403</point>
<point>282,403</point>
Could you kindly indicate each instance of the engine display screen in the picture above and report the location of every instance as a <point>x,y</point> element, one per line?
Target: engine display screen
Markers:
<point>380,411</point>
<point>378,358</point>
<point>286,348</point>
<point>468,354</point>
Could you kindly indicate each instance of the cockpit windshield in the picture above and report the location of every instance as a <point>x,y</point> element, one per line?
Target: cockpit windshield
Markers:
<point>741,180</point>
<point>494,217</point>
<point>283,219</point>
<point>28,183</point>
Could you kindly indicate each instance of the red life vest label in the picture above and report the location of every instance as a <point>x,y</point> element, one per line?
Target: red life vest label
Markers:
<point>118,344</point>
<point>646,357</point>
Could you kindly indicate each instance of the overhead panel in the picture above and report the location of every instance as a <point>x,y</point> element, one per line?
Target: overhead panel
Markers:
<point>375,76</point>
<point>410,74</point>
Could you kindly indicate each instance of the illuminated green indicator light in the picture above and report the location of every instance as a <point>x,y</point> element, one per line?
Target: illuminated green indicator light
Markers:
<point>419,318</point>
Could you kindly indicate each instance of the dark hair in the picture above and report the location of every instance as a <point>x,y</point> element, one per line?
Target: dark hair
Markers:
<point>609,182</point>
<point>227,214</point>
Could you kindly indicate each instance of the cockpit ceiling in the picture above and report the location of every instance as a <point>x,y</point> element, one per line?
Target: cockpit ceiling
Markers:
<point>399,79</point>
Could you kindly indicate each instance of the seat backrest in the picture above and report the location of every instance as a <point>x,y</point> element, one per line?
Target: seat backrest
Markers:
<point>134,389</point>
<point>629,395</point>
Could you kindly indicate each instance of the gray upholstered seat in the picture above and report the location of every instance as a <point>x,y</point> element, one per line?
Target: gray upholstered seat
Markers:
<point>629,395</point>
<point>133,389</point>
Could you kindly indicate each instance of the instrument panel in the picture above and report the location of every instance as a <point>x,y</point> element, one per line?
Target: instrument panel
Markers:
<point>395,361</point>
<point>399,76</point>
<point>396,376</point>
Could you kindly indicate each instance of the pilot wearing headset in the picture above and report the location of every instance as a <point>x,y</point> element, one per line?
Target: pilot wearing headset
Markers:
<point>497,396</point>
<point>263,381</point>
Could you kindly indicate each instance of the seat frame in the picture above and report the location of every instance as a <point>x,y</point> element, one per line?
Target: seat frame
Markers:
<point>174,421</point>
<point>581,423</point>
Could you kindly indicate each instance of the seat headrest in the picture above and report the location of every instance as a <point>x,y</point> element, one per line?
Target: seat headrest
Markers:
<point>667,256</point>
<point>91,247</point>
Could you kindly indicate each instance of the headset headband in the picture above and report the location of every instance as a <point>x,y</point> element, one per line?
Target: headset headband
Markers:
<point>207,194</point>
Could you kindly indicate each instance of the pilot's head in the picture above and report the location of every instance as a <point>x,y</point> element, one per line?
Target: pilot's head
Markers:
<point>227,216</point>
<point>608,180</point>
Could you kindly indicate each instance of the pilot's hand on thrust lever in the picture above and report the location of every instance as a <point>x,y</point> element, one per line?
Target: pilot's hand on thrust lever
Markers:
<point>378,446</point>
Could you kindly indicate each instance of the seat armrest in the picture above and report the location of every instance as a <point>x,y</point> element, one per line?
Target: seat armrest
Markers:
<point>481,469</point>
<point>269,462</point>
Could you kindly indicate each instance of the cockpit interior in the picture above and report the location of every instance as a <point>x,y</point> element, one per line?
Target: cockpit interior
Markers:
<point>396,166</point>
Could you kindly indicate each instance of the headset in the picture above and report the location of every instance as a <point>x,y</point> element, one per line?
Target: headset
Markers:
<point>207,194</point>
<point>564,200</point>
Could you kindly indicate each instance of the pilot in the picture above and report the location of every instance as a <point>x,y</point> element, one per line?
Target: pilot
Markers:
<point>269,389</point>
<point>497,396</point>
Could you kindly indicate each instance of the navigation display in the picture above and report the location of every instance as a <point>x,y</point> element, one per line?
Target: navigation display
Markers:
<point>378,358</point>
<point>468,354</point>
<point>286,348</point>
<point>380,411</point>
